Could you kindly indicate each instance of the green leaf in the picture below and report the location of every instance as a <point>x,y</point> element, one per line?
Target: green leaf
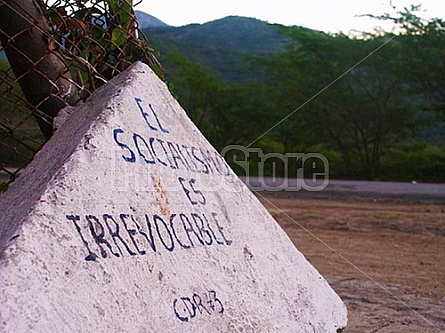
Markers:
<point>114,5</point>
<point>119,36</point>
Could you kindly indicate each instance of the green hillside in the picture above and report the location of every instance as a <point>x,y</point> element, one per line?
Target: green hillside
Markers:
<point>372,106</point>
<point>221,45</point>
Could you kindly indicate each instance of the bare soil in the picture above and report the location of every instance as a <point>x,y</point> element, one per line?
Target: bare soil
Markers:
<point>386,260</point>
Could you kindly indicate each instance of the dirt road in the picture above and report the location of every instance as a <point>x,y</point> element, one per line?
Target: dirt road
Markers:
<point>386,260</point>
<point>351,190</point>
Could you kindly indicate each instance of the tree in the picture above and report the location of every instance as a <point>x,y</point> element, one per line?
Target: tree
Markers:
<point>423,45</point>
<point>36,60</point>
<point>356,109</point>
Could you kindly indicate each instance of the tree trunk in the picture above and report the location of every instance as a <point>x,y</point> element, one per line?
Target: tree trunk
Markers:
<point>36,60</point>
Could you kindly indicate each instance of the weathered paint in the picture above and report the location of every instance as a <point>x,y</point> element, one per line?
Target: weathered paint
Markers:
<point>129,221</point>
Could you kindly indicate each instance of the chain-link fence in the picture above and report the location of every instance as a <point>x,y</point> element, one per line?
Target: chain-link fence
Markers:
<point>54,54</point>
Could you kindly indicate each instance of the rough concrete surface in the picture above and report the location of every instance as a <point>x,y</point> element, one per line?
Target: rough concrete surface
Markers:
<point>129,221</point>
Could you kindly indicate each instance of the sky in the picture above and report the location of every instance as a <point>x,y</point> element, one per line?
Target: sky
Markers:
<point>326,15</point>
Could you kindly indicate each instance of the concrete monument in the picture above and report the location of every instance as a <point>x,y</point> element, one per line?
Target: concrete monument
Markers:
<point>128,220</point>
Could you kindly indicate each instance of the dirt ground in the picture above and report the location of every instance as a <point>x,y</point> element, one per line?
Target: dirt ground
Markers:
<point>386,260</point>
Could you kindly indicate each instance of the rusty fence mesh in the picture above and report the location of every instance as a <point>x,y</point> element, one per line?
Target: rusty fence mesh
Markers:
<point>54,54</point>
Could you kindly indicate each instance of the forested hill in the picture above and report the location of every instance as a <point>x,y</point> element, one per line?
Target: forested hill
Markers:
<point>147,21</point>
<point>221,45</point>
<point>239,77</point>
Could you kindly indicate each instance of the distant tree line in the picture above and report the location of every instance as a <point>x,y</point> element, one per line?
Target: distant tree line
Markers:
<point>372,101</point>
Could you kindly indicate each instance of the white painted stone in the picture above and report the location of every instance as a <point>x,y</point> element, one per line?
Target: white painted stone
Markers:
<point>244,275</point>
